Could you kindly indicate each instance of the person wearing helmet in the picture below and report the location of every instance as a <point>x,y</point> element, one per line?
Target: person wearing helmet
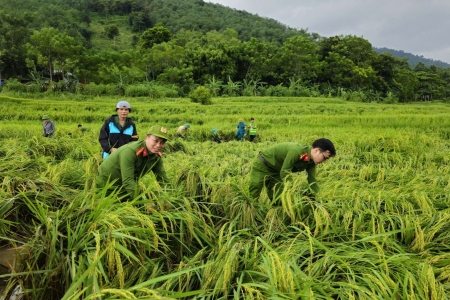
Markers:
<point>183,130</point>
<point>118,130</point>
<point>241,130</point>
<point>216,136</point>
<point>127,164</point>
<point>48,126</point>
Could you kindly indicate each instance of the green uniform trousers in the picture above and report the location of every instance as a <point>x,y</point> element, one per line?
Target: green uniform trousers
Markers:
<point>262,175</point>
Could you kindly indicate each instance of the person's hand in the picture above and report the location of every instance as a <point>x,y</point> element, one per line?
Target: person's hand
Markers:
<point>113,149</point>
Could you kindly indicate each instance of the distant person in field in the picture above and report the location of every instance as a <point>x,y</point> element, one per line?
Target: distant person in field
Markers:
<point>118,130</point>
<point>272,165</point>
<point>81,128</point>
<point>48,126</point>
<point>251,128</point>
<point>216,136</point>
<point>127,164</point>
<point>183,130</point>
<point>241,130</point>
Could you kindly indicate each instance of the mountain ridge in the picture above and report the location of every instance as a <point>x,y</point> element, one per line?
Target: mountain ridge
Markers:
<point>413,59</point>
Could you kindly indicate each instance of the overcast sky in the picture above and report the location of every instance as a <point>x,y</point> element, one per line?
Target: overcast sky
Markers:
<point>416,26</point>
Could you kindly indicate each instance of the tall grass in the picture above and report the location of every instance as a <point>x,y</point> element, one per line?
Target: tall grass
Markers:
<point>377,230</point>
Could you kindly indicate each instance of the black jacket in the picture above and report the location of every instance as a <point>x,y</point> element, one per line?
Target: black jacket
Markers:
<point>113,136</point>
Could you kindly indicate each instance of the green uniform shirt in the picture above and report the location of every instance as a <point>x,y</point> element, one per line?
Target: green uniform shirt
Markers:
<point>286,158</point>
<point>127,165</point>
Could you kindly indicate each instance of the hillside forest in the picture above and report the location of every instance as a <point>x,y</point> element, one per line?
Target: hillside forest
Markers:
<point>64,45</point>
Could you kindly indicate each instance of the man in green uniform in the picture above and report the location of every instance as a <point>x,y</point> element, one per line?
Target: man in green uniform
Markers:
<point>252,130</point>
<point>273,164</point>
<point>133,160</point>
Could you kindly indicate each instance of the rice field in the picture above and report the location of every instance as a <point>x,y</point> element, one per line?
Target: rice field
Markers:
<point>379,228</point>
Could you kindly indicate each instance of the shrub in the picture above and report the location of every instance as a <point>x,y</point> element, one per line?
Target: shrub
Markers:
<point>33,88</point>
<point>390,98</point>
<point>160,91</point>
<point>358,96</point>
<point>93,89</point>
<point>150,90</point>
<point>15,86</point>
<point>138,91</point>
<point>277,91</point>
<point>201,95</point>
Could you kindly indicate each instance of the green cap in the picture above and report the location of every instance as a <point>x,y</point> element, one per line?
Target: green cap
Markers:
<point>159,131</point>
<point>45,117</point>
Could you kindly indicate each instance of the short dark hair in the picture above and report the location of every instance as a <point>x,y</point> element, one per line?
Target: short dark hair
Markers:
<point>79,125</point>
<point>325,145</point>
<point>252,119</point>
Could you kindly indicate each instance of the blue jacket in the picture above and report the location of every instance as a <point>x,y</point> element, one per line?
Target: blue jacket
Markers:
<point>241,127</point>
<point>112,135</point>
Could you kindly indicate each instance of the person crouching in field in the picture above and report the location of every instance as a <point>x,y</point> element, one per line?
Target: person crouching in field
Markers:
<point>81,128</point>
<point>127,164</point>
<point>216,136</point>
<point>48,126</point>
<point>183,130</point>
<point>117,130</point>
<point>272,165</point>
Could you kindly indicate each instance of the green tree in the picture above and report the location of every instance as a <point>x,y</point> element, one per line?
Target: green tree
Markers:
<point>181,76</point>
<point>215,56</point>
<point>297,58</point>
<point>338,70</point>
<point>111,31</point>
<point>385,66</point>
<point>154,35</point>
<point>232,87</point>
<point>421,67</point>
<point>188,38</point>
<point>106,6</point>
<point>357,49</point>
<point>14,34</point>
<point>162,56</point>
<point>406,84</point>
<point>115,67</point>
<point>214,85</point>
<point>254,60</point>
<point>430,86</point>
<point>139,20</point>
<point>349,62</point>
<point>52,47</point>
<point>124,7</point>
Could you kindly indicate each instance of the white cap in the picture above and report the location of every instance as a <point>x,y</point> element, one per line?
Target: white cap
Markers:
<point>123,103</point>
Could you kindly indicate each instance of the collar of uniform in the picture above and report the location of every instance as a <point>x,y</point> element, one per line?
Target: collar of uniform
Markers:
<point>142,151</point>
<point>305,156</point>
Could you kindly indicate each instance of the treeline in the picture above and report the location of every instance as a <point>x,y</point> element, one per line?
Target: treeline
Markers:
<point>228,61</point>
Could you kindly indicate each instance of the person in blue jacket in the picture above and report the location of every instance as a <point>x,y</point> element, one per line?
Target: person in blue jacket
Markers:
<point>241,130</point>
<point>118,130</point>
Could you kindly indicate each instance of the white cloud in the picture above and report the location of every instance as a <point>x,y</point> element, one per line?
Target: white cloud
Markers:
<point>415,26</point>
